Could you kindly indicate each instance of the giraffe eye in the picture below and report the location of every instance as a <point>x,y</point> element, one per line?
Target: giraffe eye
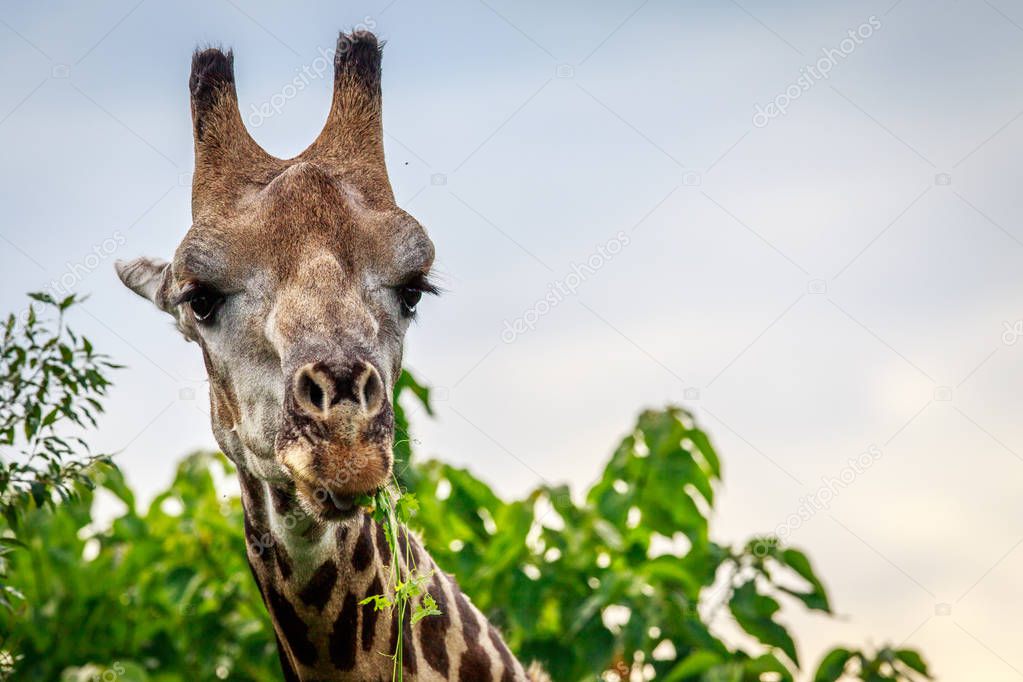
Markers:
<point>411,292</point>
<point>410,297</point>
<point>204,302</point>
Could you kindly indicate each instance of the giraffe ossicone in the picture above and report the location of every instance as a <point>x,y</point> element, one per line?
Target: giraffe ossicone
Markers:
<point>298,280</point>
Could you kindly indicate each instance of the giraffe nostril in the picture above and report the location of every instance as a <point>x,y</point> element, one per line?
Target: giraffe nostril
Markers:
<point>312,390</point>
<point>371,391</point>
<point>316,395</point>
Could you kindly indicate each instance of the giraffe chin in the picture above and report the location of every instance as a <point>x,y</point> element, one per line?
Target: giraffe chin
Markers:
<point>328,480</point>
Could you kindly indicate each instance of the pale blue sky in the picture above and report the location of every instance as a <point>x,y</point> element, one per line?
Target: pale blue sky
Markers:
<point>835,280</point>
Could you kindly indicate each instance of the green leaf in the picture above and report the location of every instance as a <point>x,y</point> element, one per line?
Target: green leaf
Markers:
<point>702,442</point>
<point>39,494</point>
<point>692,665</point>
<point>51,417</point>
<point>406,507</point>
<point>379,601</point>
<point>833,665</point>
<point>408,382</point>
<point>428,607</point>
<point>913,660</point>
<point>754,611</point>
<point>113,480</point>
<point>40,296</point>
<point>173,588</point>
<point>728,672</point>
<point>798,562</point>
<point>768,663</point>
<point>812,600</point>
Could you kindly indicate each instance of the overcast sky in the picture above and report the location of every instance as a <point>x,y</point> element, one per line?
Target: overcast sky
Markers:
<point>810,237</point>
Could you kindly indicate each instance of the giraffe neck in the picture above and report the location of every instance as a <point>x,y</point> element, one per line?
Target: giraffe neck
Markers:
<point>312,576</point>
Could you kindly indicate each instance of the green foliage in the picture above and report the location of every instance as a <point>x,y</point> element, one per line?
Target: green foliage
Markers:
<point>51,383</point>
<point>626,570</point>
<point>623,576</point>
<point>885,665</point>
<point>601,582</point>
<point>420,394</point>
<point>165,592</point>
<point>50,378</point>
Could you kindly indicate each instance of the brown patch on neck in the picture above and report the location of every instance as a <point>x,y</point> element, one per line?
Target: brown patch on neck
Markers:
<point>383,549</point>
<point>294,630</point>
<point>287,667</point>
<point>281,559</point>
<point>344,634</point>
<point>370,614</point>
<point>475,664</point>
<point>283,500</point>
<point>434,629</point>
<point>319,589</point>
<point>362,553</point>
<point>252,495</point>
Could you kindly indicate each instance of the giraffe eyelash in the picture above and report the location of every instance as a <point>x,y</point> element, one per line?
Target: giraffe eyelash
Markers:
<point>421,282</point>
<point>411,292</point>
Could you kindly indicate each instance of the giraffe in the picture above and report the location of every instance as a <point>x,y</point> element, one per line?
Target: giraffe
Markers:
<point>298,280</point>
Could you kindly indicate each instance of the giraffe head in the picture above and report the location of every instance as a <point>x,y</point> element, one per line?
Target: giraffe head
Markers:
<point>298,280</point>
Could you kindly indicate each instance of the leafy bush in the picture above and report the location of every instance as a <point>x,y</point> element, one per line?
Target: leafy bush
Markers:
<point>625,580</point>
<point>50,379</point>
<point>167,590</point>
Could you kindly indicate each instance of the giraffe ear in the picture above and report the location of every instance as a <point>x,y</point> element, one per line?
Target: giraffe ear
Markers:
<point>147,277</point>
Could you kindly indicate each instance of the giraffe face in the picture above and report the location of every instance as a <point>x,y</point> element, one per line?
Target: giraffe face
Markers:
<point>298,279</point>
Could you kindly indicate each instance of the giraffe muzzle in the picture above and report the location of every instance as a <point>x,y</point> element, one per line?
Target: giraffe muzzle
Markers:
<point>337,434</point>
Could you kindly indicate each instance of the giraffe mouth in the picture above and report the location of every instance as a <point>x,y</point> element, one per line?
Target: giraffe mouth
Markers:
<point>342,503</point>
<point>327,504</point>
<point>330,478</point>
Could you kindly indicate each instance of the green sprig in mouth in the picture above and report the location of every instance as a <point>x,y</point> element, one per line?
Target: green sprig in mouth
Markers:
<point>405,594</point>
